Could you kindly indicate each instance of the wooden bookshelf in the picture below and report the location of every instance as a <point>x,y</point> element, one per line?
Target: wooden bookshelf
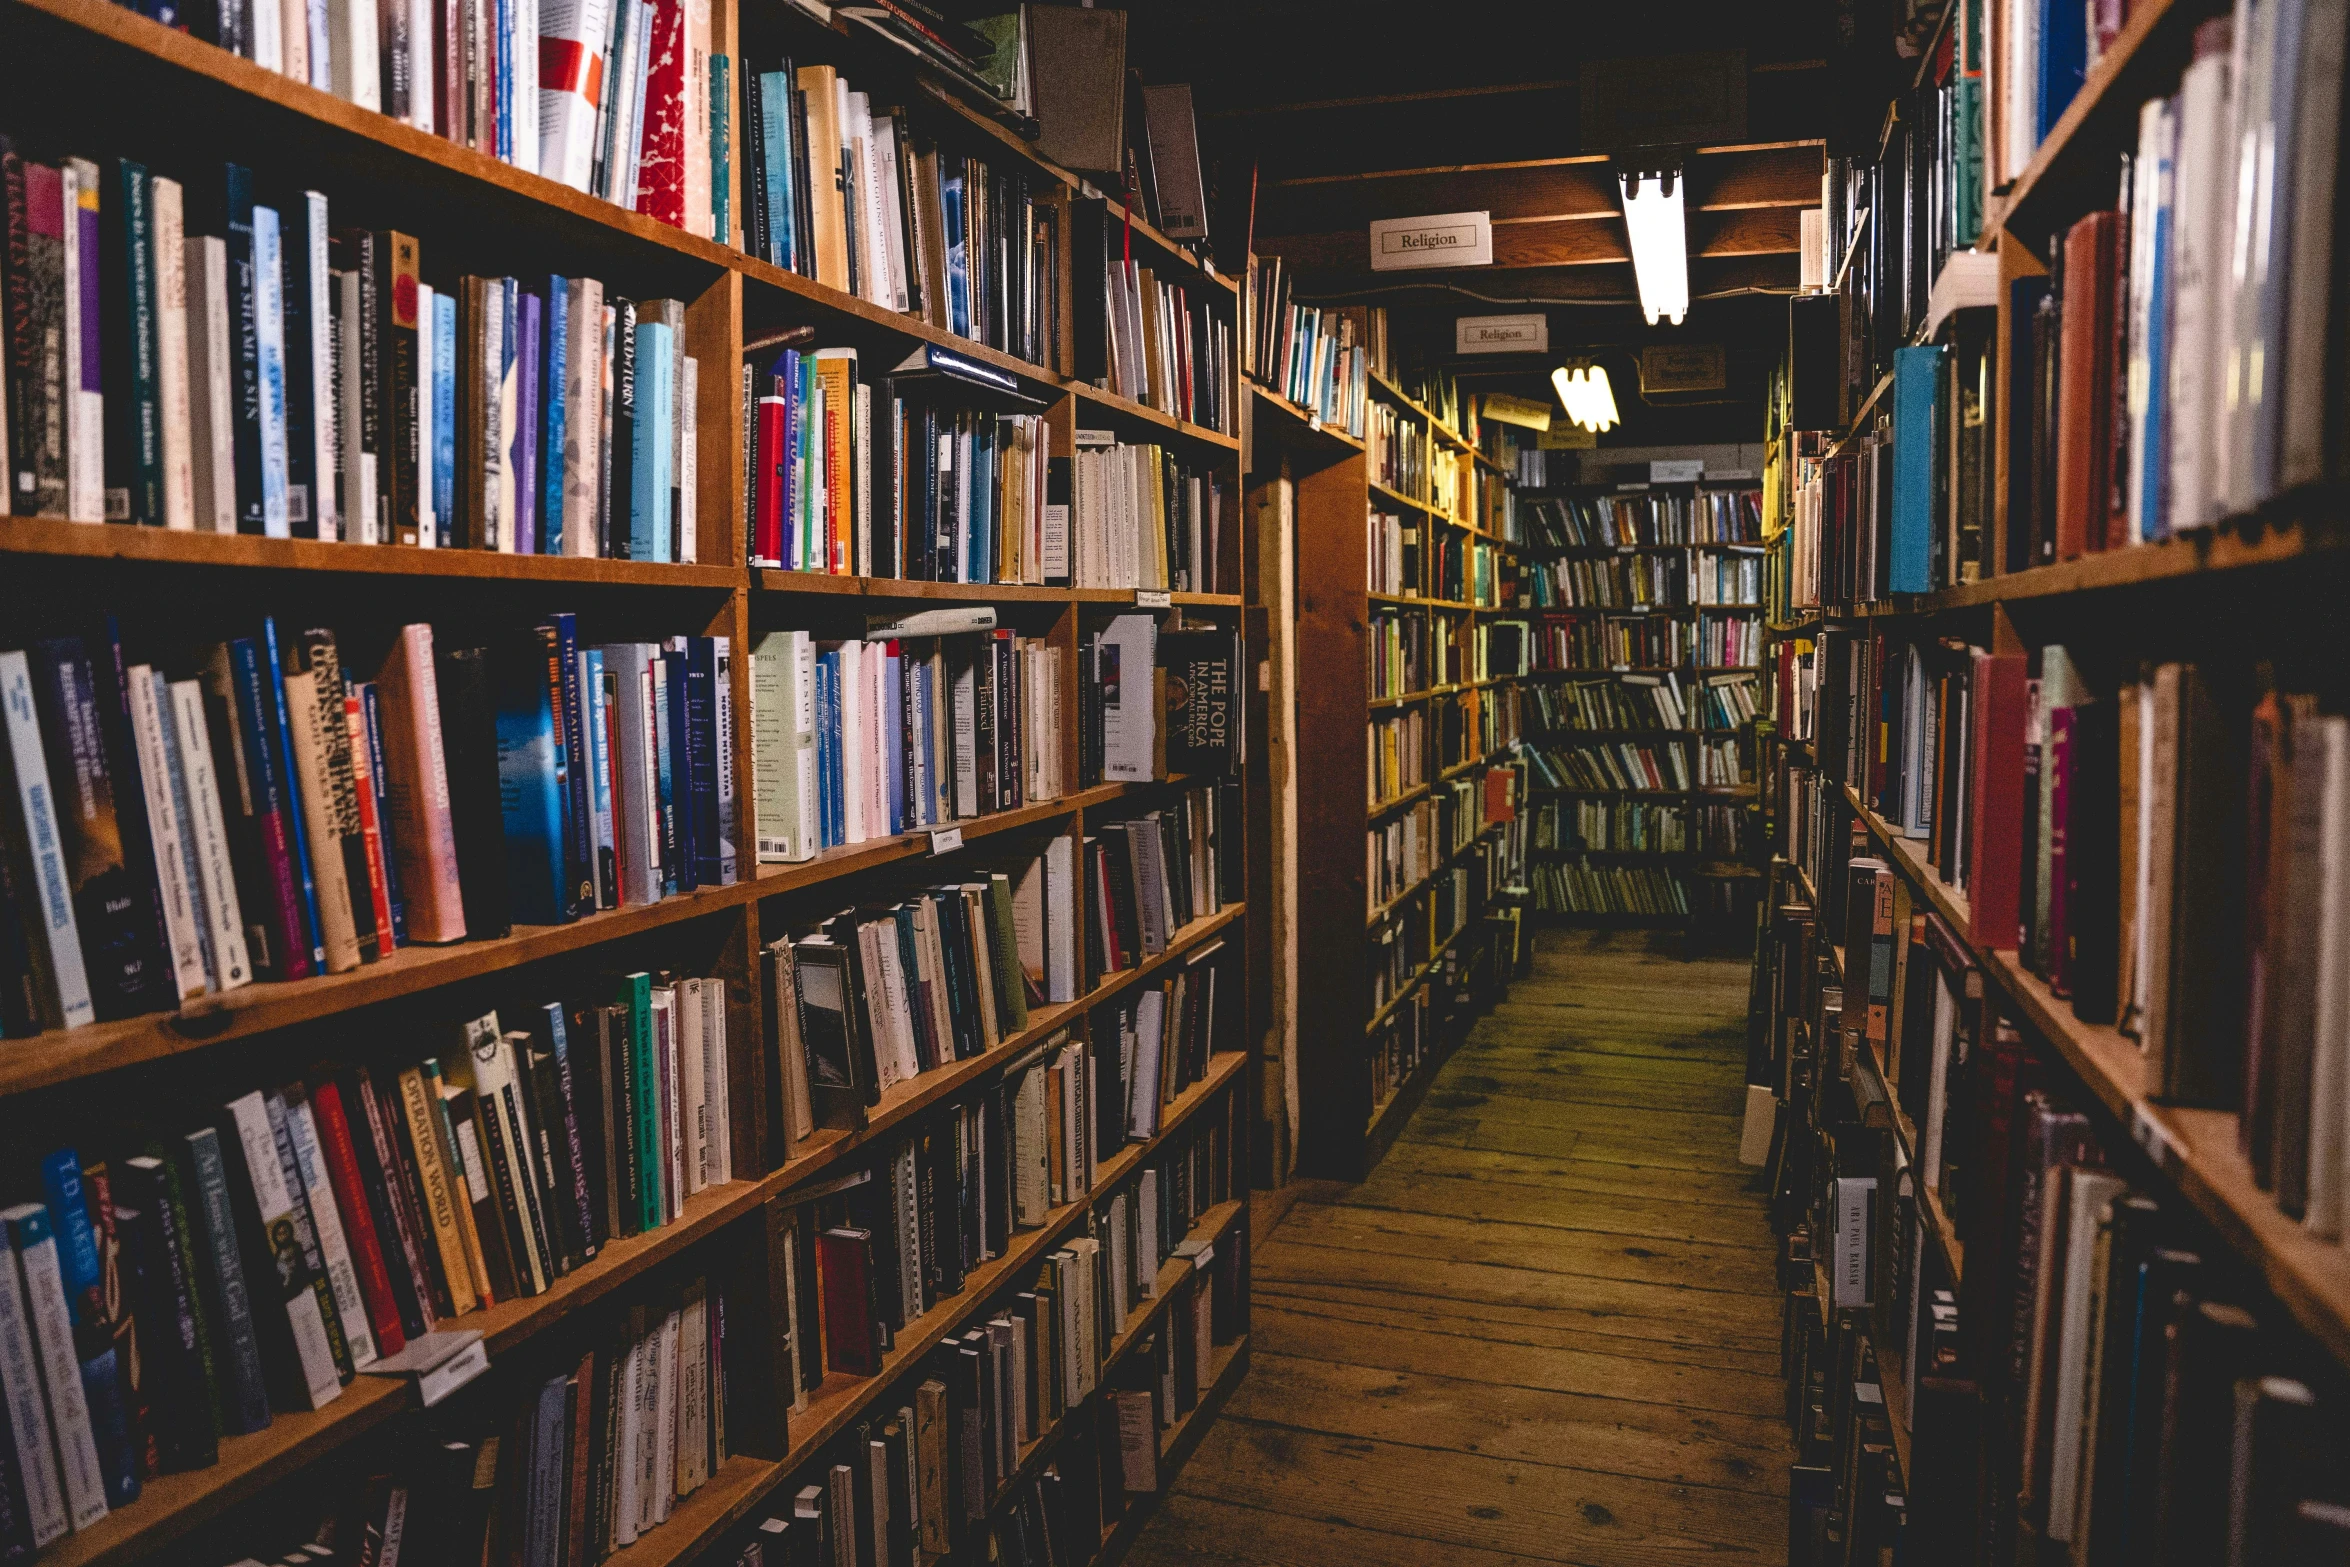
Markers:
<point>107,80</point>
<point>1340,928</point>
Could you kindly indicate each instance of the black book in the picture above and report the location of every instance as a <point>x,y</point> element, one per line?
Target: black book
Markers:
<point>995,1171</point>
<point>924,523</point>
<point>543,1067</point>
<point>840,1060</point>
<point>167,1302</point>
<point>1120,890</point>
<point>954,939</point>
<point>984,726</point>
<point>469,742</point>
<point>871,1208</point>
<point>134,416</point>
<point>305,485</point>
<point>803,219</point>
<point>1203,714</point>
<point>941,1173</point>
<point>624,1201</point>
<point>2047,379</point>
<point>884,486</point>
<point>1011,791</point>
<point>234,220</point>
<point>586,1064</point>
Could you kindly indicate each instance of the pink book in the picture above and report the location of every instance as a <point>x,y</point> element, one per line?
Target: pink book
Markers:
<point>415,794</point>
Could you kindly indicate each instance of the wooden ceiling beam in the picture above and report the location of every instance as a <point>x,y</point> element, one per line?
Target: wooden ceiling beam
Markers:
<point>1750,231</point>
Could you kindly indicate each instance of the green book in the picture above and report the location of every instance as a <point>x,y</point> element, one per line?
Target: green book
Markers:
<point>1011,985</point>
<point>636,995</point>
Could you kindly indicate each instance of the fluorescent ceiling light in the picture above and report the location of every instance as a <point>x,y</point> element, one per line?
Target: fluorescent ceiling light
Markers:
<point>1586,396</point>
<point>1660,243</point>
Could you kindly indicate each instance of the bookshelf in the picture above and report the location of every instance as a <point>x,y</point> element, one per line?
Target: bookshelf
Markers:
<point>96,79</point>
<point>1610,570</point>
<point>1392,629</point>
<point>2093,621</point>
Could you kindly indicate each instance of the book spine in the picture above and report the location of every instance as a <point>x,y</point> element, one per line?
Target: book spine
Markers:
<point>367,769</point>
<point>305,1225</point>
<point>425,1299</point>
<point>25,760</point>
<point>35,1244</point>
<point>288,927</point>
<point>183,923</point>
<point>34,1454</point>
<point>439,1187</point>
<point>341,1163</point>
<point>579,766</point>
<point>567,1100</point>
<point>295,1323</point>
<point>337,1260</point>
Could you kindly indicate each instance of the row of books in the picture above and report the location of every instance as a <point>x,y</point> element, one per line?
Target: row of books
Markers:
<point>623,100</point>
<point>254,1263</point>
<point>875,997</point>
<point>1501,721</point>
<point>1616,824</point>
<point>1311,355</point>
<point>852,194</point>
<point>1590,887</point>
<point>1641,765</point>
<point>931,1473</point>
<point>1405,849</point>
<point>1141,335</point>
<point>1396,447</point>
<point>1611,582</point>
<point>1647,518</point>
<point>274,817</point>
<point>1393,554</point>
<point>1588,641</point>
<point>282,376</point>
<point>1400,760</point>
<point>1613,702</point>
<point>1142,517</point>
<point>1400,648</point>
<point>1497,650</point>
<point>1467,570</point>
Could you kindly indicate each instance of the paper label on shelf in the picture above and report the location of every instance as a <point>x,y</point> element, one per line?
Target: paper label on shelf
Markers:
<point>2152,1136</point>
<point>946,840</point>
<point>1153,598</point>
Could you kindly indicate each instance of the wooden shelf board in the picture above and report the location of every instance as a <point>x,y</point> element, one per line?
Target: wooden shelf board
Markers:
<point>2240,544</point>
<point>1910,858</point>
<point>1293,424</point>
<point>1400,801</point>
<point>1396,497</point>
<point>125,542</point>
<point>1380,915</point>
<point>1087,392</point>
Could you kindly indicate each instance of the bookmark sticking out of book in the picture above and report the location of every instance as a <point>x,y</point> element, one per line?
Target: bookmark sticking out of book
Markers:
<point>933,623</point>
<point>438,1364</point>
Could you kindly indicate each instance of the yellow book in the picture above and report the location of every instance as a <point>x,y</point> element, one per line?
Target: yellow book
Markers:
<point>827,190</point>
<point>836,374</point>
<point>440,1194</point>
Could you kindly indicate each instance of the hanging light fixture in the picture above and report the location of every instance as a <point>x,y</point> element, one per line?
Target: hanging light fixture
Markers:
<point>1583,391</point>
<point>1660,242</point>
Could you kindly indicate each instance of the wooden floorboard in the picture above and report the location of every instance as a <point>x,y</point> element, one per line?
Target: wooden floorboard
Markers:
<point>1543,1330</point>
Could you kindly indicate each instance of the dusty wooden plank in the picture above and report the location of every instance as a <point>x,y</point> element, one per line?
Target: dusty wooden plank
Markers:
<point>1658,1441</point>
<point>1552,1209</point>
<point>1454,1500</point>
<point>1473,1324</point>
<point>1690,1264</point>
<point>1205,1531</point>
<point>1723,1101</point>
<point>1282,1328</point>
<point>1438,1162</point>
<point>1609,1144</point>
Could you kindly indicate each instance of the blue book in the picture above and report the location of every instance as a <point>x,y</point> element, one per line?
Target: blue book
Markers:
<point>522,441</point>
<point>775,100</point>
<point>530,789</point>
<point>280,743</point>
<point>721,148</point>
<point>557,335</point>
<point>104,1377</point>
<point>244,334</point>
<point>958,265</point>
<point>502,107</point>
<point>269,317</point>
<point>699,708</point>
<point>2153,448</point>
<point>2064,59</point>
<point>983,493</point>
<point>578,807</point>
<point>1917,383</point>
<point>443,455</point>
<point>547,1467</point>
<point>649,503</point>
<point>893,734</point>
<point>599,751</point>
<point>827,732</point>
<point>791,370</point>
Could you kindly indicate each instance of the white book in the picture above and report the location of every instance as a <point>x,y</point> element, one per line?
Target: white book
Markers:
<point>1142,1095</point>
<point>635,810</point>
<point>700,218</point>
<point>326,1219</point>
<point>359,510</point>
<point>1129,724</point>
<point>853,742</point>
<point>2250,171</point>
<point>693,1389</point>
<point>211,409</point>
<point>524,68</point>
<point>293,24</point>
<point>2329,1078</point>
<point>486,1065</point>
<point>269,314</point>
<point>28,1418</point>
<point>28,760</point>
<point>2088,1192</point>
<point>325,505</point>
<point>313,1351</point>
<point>85,403</point>
<point>30,1236</point>
<point>266,41</point>
<point>885,143</point>
<point>357,72</point>
<point>576,30</point>
<point>171,352</point>
<point>719,1161</point>
<point>783,747</point>
<point>692,1084</point>
<point>582,454</point>
<point>183,928</point>
<point>664,1488</point>
<point>417,48</point>
<point>189,740</point>
<point>1060,915</point>
<point>629,1460</point>
<point>689,381</point>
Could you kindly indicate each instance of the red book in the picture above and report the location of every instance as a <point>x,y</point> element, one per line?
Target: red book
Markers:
<point>364,786</point>
<point>367,1257</point>
<point>844,1264</point>
<point>1995,848</point>
<point>660,182</point>
<point>772,468</point>
<point>2084,394</point>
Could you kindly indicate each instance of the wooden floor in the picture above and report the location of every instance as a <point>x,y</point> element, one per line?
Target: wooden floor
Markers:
<point>1544,1330</point>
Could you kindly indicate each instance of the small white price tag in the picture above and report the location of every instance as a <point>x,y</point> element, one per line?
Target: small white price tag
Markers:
<point>946,840</point>
<point>2152,1136</point>
<point>1153,598</point>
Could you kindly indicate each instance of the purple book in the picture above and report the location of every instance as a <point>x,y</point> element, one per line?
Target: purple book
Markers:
<point>529,321</point>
